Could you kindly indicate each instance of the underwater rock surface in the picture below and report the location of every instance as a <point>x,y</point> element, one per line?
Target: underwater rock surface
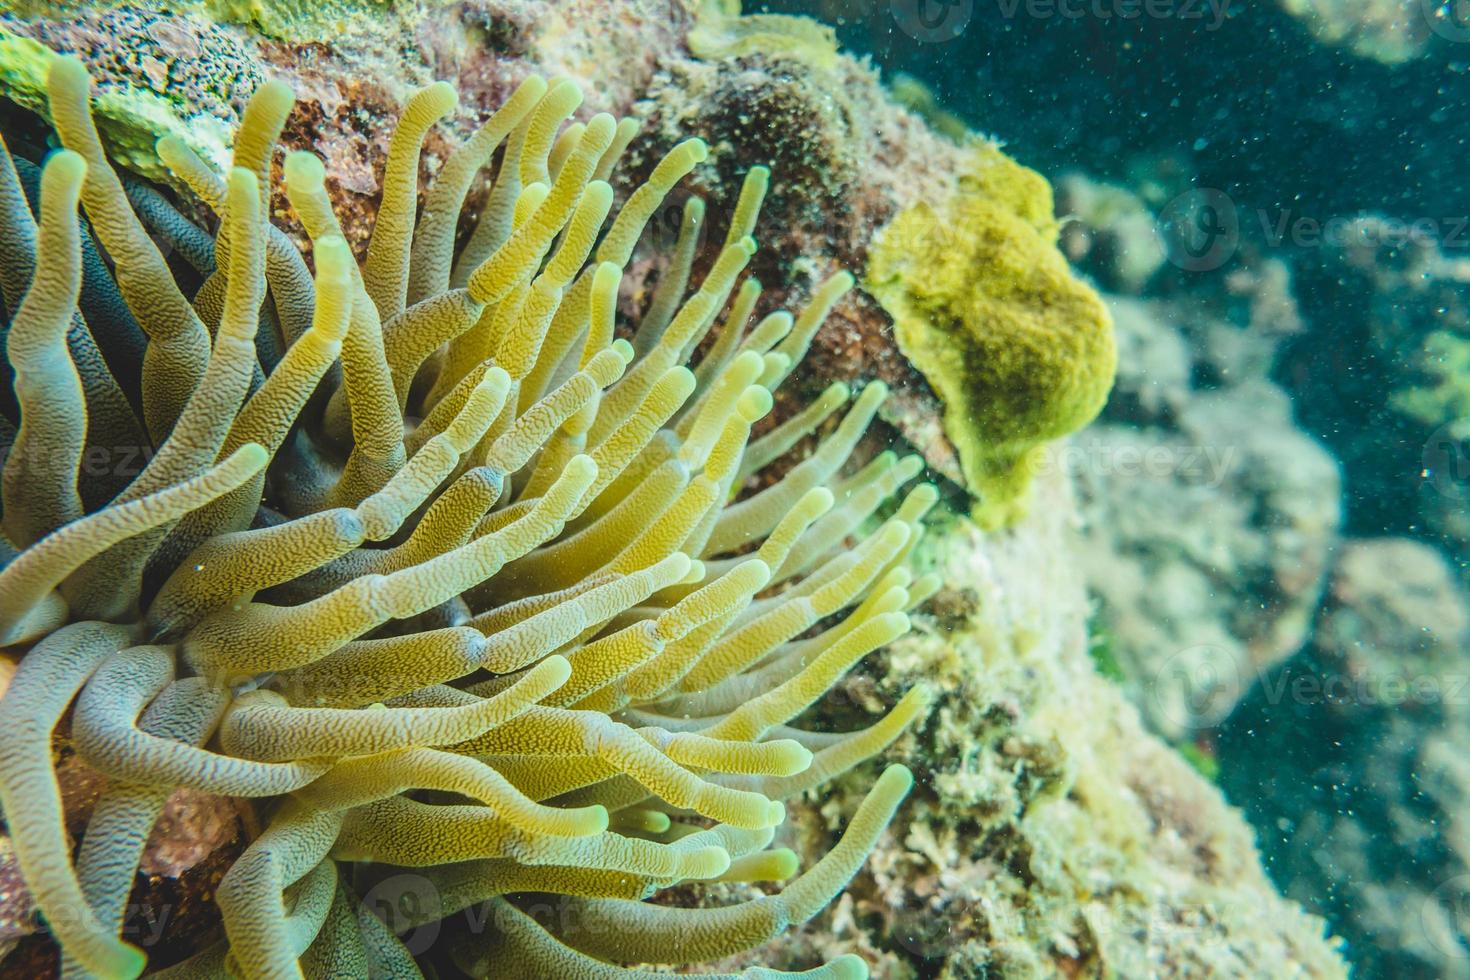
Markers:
<point>1211,519</point>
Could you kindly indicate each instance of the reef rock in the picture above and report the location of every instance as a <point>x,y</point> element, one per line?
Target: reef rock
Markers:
<point>1210,521</point>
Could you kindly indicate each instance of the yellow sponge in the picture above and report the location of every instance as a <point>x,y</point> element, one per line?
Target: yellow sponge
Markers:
<point>1019,350</point>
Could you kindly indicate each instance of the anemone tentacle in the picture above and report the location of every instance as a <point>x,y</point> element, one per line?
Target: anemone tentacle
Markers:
<point>547,600</point>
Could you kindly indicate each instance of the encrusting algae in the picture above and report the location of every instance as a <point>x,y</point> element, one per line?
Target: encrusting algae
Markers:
<point>424,559</point>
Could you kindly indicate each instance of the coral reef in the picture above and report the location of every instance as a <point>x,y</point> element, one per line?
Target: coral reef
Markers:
<point>160,74</point>
<point>1019,350</point>
<point>1368,729</point>
<point>1043,837</point>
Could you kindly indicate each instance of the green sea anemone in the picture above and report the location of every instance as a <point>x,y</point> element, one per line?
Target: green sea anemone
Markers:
<point>425,563</point>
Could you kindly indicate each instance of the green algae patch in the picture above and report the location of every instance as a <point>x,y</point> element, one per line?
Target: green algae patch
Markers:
<point>299,21</point>
<point>1018,349</point>
<point>1445,398</point>
<point>130,118</point>
<point>722,31</point>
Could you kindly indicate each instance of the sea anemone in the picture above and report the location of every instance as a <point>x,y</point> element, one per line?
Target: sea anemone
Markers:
<point>425,562</point>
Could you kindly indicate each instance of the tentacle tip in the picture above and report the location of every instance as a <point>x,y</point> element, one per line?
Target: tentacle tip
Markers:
<point>276,91</point>
<point>594,820</point>
<point>707,862</point>
<point>926,493</point>
<point>797,758</point>
<point>755,403</point>
<point>920,696</point>
<point>304,169</point>
<point>243,181</point>
<point>848,967</point>
<point>65,165</point>
<point>785,865</point>
<point>894,534</point>
<point>580,469</point>
<point>556,669</point>
<point>252,456</point>
<point>332,255</point>
<point>755,573</point>
<point>67,69</point>
<point>896,781</point>
<point>819,500</point>
<point>694,571</point>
